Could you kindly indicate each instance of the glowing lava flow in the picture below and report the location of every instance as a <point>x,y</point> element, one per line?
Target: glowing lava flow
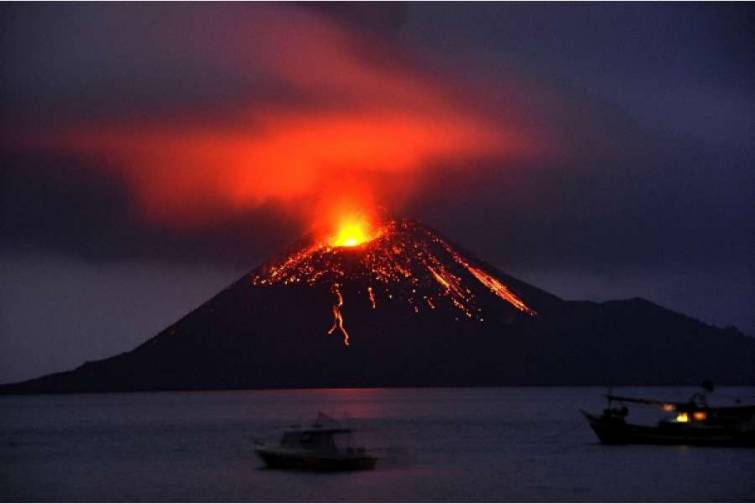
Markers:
<point>338,316</point>
<point>497,288</point>
<point>371,293</point>
<point>400,261</point>
<point>492,283</point>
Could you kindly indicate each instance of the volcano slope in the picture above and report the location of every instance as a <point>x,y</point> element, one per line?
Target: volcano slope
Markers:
<point>409,309</point>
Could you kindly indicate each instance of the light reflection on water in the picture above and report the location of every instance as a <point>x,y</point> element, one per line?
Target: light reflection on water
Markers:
<point>506,444</point>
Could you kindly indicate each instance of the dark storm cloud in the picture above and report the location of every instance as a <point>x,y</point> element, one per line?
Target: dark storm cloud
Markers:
<point>88,62</point>
<point>659,112</point>
<point>583,215</point>
<point>56,204</point>
<point>385,19</point>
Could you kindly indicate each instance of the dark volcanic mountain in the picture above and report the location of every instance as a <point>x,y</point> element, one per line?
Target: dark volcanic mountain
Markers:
<point>409,309</point>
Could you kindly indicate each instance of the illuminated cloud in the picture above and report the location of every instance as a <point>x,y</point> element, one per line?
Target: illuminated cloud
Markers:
<point>362,132</point>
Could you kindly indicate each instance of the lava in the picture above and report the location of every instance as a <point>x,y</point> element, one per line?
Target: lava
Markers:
<point>499,289</point>
<point>353,231</point>
<point>400,260</point>
<point>371,293</point>
<point>338,316</point>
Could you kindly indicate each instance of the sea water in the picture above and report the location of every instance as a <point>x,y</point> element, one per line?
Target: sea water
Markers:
<point>464,444</point>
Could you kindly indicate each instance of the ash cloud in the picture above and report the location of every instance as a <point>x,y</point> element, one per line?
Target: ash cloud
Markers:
<point>348,115</point>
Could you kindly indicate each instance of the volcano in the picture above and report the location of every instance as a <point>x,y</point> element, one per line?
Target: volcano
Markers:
<point>406,307</point>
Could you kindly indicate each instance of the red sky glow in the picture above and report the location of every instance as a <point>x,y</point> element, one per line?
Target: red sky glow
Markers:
<point>372,128</point>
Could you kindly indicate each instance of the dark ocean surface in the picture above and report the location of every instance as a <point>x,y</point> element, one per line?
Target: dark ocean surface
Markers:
<point>485,444</point>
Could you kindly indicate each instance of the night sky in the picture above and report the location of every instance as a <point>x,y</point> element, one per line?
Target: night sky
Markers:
<point>153,153</point>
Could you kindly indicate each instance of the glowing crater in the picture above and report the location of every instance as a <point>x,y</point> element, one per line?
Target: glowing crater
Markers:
<point>353,231</point>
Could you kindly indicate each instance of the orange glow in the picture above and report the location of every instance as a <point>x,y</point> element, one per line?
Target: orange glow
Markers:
<point>369,132</point>
<point>352,231</point>
<point>699,415</point>
<point>371,293</point>
<point>500,290</point>
<point>191,175</point>
<point>439,278</point>
<point>403,261</point>
<point>493,284</point>
<point>338,316</point>
<point>669,407</point>
<point>354,120</point>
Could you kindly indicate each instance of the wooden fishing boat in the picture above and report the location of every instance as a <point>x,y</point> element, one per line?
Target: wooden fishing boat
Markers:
<point>690,423</point>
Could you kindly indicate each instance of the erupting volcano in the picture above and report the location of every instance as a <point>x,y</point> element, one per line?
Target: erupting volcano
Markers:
<point>396,304</point>
<point>401,262</point>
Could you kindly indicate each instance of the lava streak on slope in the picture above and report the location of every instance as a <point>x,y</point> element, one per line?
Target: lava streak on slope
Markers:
<point>338,316</point>
<point>401,261</point>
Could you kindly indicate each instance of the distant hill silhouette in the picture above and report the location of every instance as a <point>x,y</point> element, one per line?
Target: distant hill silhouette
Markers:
<point>414,311</point>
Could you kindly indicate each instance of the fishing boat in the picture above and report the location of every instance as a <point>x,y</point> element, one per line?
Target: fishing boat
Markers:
<point>693,422</point>
<point>318,447</point>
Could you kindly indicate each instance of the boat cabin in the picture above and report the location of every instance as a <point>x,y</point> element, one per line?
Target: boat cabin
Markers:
<point>316,448</point>
<point>315,439</point>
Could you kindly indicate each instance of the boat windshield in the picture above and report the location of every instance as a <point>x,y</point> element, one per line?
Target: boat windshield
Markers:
<point>313,440</point>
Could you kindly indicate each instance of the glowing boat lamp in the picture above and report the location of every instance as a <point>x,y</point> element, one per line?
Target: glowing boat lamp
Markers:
<point>684,417</point>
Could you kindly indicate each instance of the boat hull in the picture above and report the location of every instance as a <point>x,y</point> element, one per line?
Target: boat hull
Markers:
<point>276,459</point>
<point>611,431</point>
